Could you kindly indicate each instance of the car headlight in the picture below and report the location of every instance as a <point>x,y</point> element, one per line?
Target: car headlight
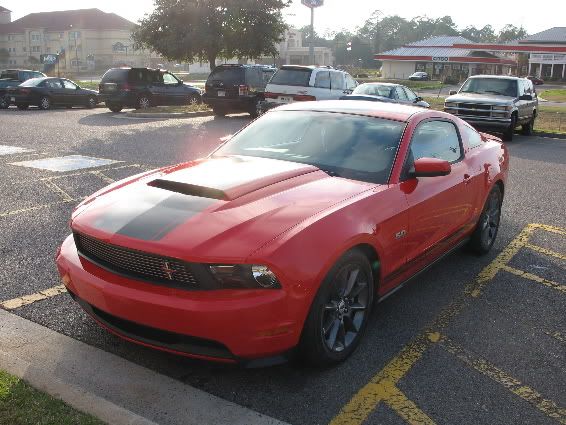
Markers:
<point>250,276</point>
<point>450,105</point>
<point>502,108</point>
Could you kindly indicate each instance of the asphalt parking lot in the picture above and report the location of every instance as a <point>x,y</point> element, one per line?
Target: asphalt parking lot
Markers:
<point>474,340</point>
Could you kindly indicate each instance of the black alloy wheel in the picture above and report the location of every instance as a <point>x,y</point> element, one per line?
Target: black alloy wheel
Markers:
<point>144,102</point>
<point>486,230</point>
<point>91,102</point>
<point>45,103</point>
<point>194,99</point>
<point>340,311</point>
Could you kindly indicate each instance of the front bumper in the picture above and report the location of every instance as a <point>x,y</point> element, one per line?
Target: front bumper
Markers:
<point>486,123</point>
<point>222,325</point>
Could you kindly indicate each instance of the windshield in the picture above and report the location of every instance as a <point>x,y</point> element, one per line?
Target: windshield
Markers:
<point>350,146</point>
<point>13,75</point>
<point>292,77</point>
<point>229,76</point>
<point>499,86</point>
<point>374,90</point>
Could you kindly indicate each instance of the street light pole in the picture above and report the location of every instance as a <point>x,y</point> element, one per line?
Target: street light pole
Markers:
<point>311,40</point>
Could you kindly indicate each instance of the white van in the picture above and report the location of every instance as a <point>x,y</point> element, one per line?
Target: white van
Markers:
<point>295,83</point>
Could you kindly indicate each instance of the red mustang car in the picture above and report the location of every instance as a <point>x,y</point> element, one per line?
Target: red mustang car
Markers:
<point>287,235</point>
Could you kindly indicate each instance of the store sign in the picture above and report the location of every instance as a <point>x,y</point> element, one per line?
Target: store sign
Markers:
<point>312,3</point>
<point>440,59</point>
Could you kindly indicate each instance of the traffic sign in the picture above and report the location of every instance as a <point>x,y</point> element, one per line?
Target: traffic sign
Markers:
<point>312,3</point>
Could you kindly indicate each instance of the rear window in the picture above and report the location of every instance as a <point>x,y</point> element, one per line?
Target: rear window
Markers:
<point>115,75</point>
<point>230,76</point>
<point>34,82</point>
<point>292,77</point>
<point>13,75</point>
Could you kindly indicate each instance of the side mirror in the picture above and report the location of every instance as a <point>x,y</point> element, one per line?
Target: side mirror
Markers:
<point>451,92</point>
<point>418,99</point>
<point>526,97</point>
<point>430,167</point>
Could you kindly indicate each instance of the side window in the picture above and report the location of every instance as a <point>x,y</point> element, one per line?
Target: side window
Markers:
<point>351,84</point>
<point>26,76</point>
<point>37,75</point>
<point>69,85</point>
<point>410,95</point>
<point>436,139</point>
<point>474,138</point>
<point>54,84</point>
<point>253,77</point>
<point>169,79</point>
<point>400,93</point>
<point>336,81</point>
<point>322,80</point>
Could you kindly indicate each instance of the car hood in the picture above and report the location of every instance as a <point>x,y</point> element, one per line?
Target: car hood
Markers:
<point>493,99</point>
<point>216,209</point>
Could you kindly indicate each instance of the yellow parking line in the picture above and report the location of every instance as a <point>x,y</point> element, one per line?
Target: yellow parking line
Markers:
<point>535,278</point>
<point>405,408</point>
<point>37,207</point>
<point>546,406</point>
<point>103,176</point>
<point>545,251</point>
<point>54,187</point>
<point>30,299</point>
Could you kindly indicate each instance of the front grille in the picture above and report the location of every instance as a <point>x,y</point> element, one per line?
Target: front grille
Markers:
<point>474,110</point>
<point>475,106</point>
<point>137,264</point>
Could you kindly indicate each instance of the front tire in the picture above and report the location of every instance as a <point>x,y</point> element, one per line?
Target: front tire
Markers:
<point>339,312</point>
<point>194,99</point>
<point>45,103</point>
<point>4,102</point>
<point>527,129</point>
<point>486,230</point>
<point>91,102</point>
<point>508,135</point>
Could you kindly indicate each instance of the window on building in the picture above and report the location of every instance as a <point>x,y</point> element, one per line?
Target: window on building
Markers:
<point>11,37</point>
<point>76,62</point>
<point>436,139</point>
<point>35,49</point>
<point>74,35</point>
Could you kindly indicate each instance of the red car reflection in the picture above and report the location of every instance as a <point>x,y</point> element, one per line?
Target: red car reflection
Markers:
<point>284,238</point>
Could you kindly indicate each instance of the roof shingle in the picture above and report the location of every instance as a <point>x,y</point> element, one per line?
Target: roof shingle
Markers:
<point>551,35</point>
<point>85,19</point>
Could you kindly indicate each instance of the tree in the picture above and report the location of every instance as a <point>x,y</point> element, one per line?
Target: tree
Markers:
<point>189,30</point>
<point>511,32</point>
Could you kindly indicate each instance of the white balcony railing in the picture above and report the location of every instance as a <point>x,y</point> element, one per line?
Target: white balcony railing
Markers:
<point>548,58</point>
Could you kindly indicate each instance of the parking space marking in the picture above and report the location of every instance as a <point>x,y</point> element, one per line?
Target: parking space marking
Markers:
<point>103,177</point>
<point>357,410</point>
<point>32,298</point>
<point>101,170</point>
<point>53,186</point>
<point>535,278</point>
<point>10,150</point>
<point>37,207</point>
<point>66,163</point>
<point>546,251</point>
<point>546,406</point>
<point>404,407</point>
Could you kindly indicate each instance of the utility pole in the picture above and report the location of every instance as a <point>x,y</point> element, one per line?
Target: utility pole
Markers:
<point>312,4</point>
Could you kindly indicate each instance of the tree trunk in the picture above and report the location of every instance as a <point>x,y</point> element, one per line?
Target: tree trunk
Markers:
<point>212,61</point>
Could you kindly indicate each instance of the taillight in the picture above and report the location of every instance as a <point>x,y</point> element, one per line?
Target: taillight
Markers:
<point>303,98</point>
<point>243,90</point>
<point>269,95</point>
<point>127,87</point>
<point>25,91</point>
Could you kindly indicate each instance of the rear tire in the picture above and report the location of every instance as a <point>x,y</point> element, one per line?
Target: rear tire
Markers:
<point>114,107</point>
<point>339,312</point>
<point>22,106</point>
<point>194,99</point>
<point>486,230</point>
<point>219,112</point>
<point>4,102</point>
<point>45,103</point>
<point>527,129</point>
<point>255,110</point>
<point>143,102</point>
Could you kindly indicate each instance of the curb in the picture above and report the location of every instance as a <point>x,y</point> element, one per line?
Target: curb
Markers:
<point>107,386</point>
<point>169,114</point>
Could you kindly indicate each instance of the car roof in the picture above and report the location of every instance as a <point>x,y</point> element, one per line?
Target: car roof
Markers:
<point>499,77</point>
<point>392,111</point>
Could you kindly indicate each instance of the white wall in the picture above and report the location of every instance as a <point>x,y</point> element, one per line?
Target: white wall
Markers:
<point>397,69</point>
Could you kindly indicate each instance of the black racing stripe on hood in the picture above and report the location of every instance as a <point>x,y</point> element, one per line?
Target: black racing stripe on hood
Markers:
<point>159,220</point>
<point>188,189</point>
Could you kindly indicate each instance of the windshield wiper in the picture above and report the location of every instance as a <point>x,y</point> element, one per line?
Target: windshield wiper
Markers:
<point>494,92</point>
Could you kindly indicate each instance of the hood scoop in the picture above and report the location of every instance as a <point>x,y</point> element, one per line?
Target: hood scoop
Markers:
<point>189,189</point>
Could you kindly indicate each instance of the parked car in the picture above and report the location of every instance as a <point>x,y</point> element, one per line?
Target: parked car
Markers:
<point>295,83</point>
<point>386,92</point>
<point>536,80</point>
<point>496,103</point>
<point>12,78</point>
<point>142,88</point>
<point>288,234</point>
<point>419,76</point>
<point>237,88</point>
<point>48,92</point>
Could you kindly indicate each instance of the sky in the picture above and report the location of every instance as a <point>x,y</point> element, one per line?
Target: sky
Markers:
<point>341,14</point>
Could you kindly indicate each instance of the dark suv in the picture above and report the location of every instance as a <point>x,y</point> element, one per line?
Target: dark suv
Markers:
<point>237,88</point>
<point>13,78</point>
<point>141,88</point>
